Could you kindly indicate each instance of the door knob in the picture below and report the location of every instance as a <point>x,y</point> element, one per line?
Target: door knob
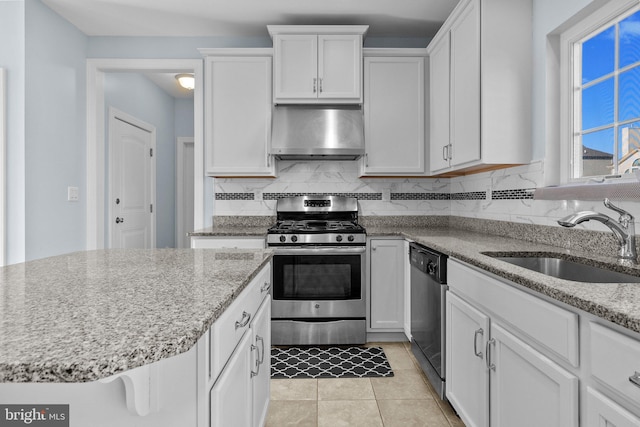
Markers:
<point>119,220</point>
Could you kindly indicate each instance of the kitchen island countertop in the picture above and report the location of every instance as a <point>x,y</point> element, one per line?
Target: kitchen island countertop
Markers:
<point>89,315</point>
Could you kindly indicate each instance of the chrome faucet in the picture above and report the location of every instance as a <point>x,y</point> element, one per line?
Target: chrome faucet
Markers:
<point>623,229</point>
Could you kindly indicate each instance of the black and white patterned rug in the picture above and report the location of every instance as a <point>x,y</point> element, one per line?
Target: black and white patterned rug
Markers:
<point>330,362</point>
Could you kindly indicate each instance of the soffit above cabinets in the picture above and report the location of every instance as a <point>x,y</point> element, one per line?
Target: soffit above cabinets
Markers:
<point>398,18</point>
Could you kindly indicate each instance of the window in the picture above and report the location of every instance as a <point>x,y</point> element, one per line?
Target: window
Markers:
<point>606,99</point>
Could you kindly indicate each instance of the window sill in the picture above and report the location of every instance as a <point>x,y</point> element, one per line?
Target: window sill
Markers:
<point>614,189</point>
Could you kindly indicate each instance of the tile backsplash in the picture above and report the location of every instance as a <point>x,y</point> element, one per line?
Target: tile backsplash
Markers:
<point>503,195</point>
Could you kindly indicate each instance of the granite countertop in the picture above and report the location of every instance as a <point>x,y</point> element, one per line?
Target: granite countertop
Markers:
<point>88,315</point>
<point>231,231</point>
<point>616,302</point>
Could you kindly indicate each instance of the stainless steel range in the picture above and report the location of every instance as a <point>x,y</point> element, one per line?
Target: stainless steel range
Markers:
<point>318,272</point>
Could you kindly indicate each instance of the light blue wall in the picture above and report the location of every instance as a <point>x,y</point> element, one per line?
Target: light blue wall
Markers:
<point>183,117</point>
<point>547,16</point>
<point>55,54</point>
<point>12,59</point>
<point>136,95</point>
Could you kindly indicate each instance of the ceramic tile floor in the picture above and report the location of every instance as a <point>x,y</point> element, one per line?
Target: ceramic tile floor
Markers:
<point>406,399</point>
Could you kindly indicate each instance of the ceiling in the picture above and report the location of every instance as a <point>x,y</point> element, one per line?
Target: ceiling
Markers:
<point>248,18</point>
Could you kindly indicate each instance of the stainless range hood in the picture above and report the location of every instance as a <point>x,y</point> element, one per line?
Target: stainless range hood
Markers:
<point>317,132</point>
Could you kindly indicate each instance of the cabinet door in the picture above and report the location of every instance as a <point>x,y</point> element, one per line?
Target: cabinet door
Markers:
<point>394,116</point>
<point>340,67</point>
<point>527,388</point>
<point>238,116</point>
<point>261,361</point>
<point>296,67</point>
<point>231,395</point>
<point>602,412</point>
<point>387,284</point>
<point>465,86</point>
<point>439,107</point>
<point>467,385</point>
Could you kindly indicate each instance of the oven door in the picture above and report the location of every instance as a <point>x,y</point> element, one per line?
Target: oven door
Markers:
<point>318,283</point>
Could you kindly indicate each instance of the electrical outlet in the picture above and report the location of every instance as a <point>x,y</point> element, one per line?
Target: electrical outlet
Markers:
<point>72,194</point>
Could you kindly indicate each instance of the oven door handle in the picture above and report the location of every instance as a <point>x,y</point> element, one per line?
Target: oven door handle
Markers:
<point>324,250</point>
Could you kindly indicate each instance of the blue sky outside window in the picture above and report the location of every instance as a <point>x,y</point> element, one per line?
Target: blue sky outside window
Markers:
<point>609,118</point>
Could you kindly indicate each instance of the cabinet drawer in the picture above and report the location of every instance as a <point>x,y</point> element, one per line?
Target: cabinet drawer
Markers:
<point>552,327</point>
<point>614,358</point>
<point>227,331</point>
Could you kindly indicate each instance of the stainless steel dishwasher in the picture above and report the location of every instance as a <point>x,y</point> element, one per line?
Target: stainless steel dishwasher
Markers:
<point>428,291</point>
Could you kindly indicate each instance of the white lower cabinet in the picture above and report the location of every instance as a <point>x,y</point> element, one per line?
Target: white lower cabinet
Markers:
<point>387,286</point>
<point>234,361</point>
<point>467,380</point>
<point>494,378</point>
<point>231,402</point>
<point>527,388</point>
<point>240,396</point>
<point>603,412</point>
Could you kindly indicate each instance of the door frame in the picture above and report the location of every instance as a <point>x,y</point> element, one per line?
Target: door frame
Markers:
<point>115,114</point>
<point>95,146</point>
<point>181,143</point>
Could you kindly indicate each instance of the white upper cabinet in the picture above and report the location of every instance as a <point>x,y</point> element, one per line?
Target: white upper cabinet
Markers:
<point>317,64</point>
<point>480,81</point>
<point>394,112</point>
<point>238,104</point>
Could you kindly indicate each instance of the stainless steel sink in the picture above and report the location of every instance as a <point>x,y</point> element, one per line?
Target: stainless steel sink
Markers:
<point>567,269</point>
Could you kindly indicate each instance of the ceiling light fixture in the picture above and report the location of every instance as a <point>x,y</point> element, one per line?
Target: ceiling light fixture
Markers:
<point>186,80</point>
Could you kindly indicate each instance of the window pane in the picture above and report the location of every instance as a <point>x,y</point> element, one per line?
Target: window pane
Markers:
<point>598,55</point>
<point>629,137</point>
<point>597,105</point>
<point>629,94</point>
<point>630,40</point>
<point>597,153</point>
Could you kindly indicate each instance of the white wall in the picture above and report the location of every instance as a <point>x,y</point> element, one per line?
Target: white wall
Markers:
<point>12,42</point>
<point>136,95</point>
<point>55,53</point>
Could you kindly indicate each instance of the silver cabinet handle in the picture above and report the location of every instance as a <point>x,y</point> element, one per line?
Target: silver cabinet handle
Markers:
<point>315,80</point>
<point>488,352</point>
<point>246,317</point>
<point>475,342</point>
<point>635,379</point>
<point>366,160</point>
<point>265,287</point>
<point>449,150</point>
<point>253,374</point>
<point>259,338</point>
<point>445,152</point>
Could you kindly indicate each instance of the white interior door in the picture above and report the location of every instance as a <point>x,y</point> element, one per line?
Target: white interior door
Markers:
<point>131,182</point>
<point>184,191</point>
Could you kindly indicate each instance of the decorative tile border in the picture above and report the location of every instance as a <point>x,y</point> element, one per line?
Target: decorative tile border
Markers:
<point>420,196</point>
<point>515,194</point>
<point>235,196</point>
<point>519,194</point>
<point>359,196</point>
<point>469,195</point>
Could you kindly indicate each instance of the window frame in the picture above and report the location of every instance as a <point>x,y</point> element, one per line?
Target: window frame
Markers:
<point>608,14</point>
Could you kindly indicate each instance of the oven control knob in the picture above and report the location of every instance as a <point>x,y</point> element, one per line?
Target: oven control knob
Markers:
<point>283,238</point>
<point>294,239</point>
<point>351,238</point>
<point>339,238</point>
